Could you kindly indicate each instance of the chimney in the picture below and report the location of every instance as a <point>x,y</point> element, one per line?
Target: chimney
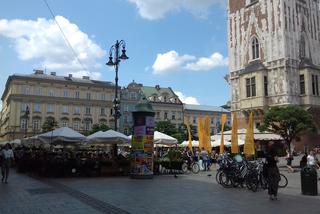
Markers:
<point>70,75</point>
<point>53,73</point>
<point>38,71</point>
<point>85,77</point>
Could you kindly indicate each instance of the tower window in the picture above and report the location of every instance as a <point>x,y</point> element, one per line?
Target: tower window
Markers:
<point>251,87</point>
<point>255,48</point>
<point>302,85</point>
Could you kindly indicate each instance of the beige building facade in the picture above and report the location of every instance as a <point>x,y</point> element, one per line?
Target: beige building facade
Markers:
<point>274,55</point>
<point>74,102</point>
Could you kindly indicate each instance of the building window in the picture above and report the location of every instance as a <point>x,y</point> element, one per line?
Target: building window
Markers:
<point>265,81</point>
<point>76,125</point>
<point>173,116</point>
<point>194,120</point>
<point>102,111</point>
<point>165,115</point>
<point>36,124</point>
<point>88,96</point>
<point>77,110</point>
<point>133,95</point>
<point>51,93</point>
<point>87,125</point>
<point>165,99</point>
<point>87,110</point>
<point>315,85</point>
<point>65,93</point>
<point>38,91</point>
<point>77,94</point>
<point>23,107</point>
<point>65,109</point>
<point>255,48</point>
<point>302,85</point>
<point>158,114</point>
<point>23,123</point>
<point>103,96</point>
<point>64,123</point>
<point>25,90</point>
<point>251,87</point>
<point>37,107</point>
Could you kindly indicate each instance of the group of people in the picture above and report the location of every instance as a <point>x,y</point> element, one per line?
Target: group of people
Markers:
<point>207,159</point>
<point>6,158</point>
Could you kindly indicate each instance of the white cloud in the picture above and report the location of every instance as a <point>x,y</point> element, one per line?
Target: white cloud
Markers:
<point>185,99</point>
<point>172,62</point>
<point>42,40</point>
<point>169,62</point>
<point>208,63</point>
<point>156,9</point>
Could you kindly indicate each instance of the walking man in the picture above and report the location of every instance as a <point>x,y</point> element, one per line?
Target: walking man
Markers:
<point>7,156</point>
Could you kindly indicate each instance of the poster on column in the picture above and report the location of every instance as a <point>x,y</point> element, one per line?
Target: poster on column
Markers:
<point>142,146</point>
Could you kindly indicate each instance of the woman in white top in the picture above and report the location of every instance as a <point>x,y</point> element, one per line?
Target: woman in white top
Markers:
<point>7,156</point>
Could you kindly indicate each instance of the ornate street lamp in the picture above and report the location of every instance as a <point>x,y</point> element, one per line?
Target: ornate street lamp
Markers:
<point>26,114</point>
<point>114,60</point>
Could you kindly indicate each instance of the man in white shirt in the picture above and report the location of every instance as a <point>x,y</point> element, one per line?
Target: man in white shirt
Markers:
<point>7,157</point>
<point>311,159</point>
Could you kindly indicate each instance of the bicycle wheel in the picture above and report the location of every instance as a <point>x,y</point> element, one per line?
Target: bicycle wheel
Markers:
<point>217,176</point>
<point>195,168</point>
<point>184,167</point>
<point>283,181</point>
<point>225,180</point>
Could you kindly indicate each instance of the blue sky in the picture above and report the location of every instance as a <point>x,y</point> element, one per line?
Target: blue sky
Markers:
<point>180,44</point>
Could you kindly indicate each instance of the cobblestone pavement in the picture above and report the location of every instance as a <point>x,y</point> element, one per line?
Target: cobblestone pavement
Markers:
<point>163,194</point>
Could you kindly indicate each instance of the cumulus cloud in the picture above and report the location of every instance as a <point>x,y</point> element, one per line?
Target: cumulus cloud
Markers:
<point>185,99</point>
<point>172,62</point>
<point>42,40</point>
<point>208,63</point>
<point>156,9</point>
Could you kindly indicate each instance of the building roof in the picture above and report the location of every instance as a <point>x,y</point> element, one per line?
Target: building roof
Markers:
<point>149,91</point>
<point>204,108</point>
<point>40,75</point>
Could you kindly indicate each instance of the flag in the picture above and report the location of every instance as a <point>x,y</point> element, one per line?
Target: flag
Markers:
<point>200,132</point>
<point>234,135</point>
<point>223,121</point>
<point>207,135</point>
<point>249,141</point>
<point>186,120</point>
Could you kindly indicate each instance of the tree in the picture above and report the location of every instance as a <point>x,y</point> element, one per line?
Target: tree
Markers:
<point>49,124</point>
<point>289,122</point>
<point>99,127</point>
<point>166,127</point>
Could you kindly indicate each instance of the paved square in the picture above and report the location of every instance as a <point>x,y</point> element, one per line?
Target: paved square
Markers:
<point>163,194</point>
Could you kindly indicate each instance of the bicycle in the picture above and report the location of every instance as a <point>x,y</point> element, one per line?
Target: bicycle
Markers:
<point>193,167</point>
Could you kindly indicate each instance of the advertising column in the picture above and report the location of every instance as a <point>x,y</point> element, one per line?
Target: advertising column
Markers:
<point>142,141</point>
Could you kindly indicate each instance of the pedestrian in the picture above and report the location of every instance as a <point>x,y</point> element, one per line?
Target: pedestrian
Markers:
<point>8,157</point>
<point>289,159</point>
<point>205,158</point>
<point>214,157</point>
<point>312,162</point>
<point>304,160</point>
<point>273,175</point>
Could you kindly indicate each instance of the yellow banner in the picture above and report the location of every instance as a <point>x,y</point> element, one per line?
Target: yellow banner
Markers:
<point>249,141</point>
<point>207,128</point>
<point>200,132</point>
<point>223,121</point>
<point>186,120</point>
<point>234,135</point>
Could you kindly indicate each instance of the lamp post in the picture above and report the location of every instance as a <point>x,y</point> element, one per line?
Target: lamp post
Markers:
<point>114,60</point>
<point>26,114</point>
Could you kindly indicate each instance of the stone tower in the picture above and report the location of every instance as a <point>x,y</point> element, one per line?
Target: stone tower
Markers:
<point>274,53</point>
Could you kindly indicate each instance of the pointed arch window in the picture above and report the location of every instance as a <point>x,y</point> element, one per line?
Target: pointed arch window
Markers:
<point>255,48</point>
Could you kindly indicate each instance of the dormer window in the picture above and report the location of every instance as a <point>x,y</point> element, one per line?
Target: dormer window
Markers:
<point>255,48</point>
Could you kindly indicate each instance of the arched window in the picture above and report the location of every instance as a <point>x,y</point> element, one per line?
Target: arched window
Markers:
<point>255,48</point>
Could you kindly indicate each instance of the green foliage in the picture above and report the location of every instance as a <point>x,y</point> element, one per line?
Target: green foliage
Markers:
<point>166,127</point>
<point>98,127</point>
<point>49,124</point>
<point>289,122</point>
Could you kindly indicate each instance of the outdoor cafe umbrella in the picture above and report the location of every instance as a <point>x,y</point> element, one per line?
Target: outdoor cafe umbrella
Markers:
<point>62,135</point>
<point>161,138</point>
<point>108,137</point>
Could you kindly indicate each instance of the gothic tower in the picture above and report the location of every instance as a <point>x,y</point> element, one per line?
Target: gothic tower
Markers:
<point>274,55</point>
